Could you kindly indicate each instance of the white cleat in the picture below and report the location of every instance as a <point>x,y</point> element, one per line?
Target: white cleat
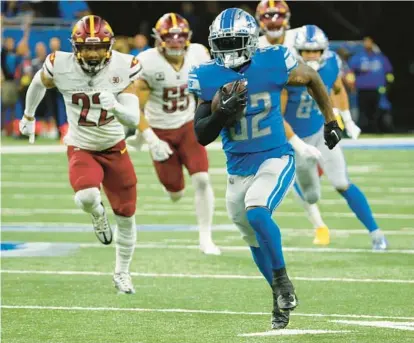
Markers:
<point>102,228</point>
<point>123,283</point>
<point>379,242</point>
<point>210,249</point>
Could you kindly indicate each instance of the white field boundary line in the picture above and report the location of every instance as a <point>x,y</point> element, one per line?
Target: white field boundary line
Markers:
<point>202,276</point>
<point>180,310</point>
<point>188,213</point>
<point>216,146</point>
<point>78,227</point>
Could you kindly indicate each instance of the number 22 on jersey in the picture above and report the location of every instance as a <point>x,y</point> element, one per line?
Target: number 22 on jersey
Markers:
<point>242,131</point>
<point>83,98</point>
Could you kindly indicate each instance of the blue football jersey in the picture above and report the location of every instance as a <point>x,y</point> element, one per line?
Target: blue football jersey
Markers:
<point>302,112</point>
<point>260,134</point>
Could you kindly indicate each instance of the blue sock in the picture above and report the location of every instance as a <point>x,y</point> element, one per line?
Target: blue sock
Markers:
<point>263,263</point>
<point>268,234</point>
<point>359,205</point>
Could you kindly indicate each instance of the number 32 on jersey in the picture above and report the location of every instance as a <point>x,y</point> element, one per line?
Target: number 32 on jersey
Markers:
<point>242,130</point>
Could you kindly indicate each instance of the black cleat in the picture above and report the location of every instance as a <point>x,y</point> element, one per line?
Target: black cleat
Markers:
<point>279,319</point>
<point>284,297</point>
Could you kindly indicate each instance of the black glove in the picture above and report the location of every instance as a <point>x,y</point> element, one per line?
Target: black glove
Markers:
<point>233,103</point>
<point>332,134</point>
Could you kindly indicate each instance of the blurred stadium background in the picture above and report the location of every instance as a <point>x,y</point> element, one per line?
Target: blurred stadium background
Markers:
<point>31,29</point>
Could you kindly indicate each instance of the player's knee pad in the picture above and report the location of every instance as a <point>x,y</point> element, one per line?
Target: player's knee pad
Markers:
<point>200,180</point>
<point>88,198</point>
<point>125,209</point>
<point>341,186</point>
<point>175,196</point>
<point>312,196</point>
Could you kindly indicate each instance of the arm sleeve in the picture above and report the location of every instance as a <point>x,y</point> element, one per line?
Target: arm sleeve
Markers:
<point>127,109</point>
<point>207,125</point>
<point>34,95</point>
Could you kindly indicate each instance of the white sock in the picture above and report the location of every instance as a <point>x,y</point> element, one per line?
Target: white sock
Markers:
<point>312,211</point>
<point>377,234</point>
<point>204,205</point>
<point>125,238</point>
<point>89,200</point>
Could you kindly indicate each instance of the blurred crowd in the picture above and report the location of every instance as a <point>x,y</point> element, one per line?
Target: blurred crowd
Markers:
<point>367,73</point>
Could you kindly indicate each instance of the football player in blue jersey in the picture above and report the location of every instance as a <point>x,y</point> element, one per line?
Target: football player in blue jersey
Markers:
<point>260,161</point>
<point>306,121</point>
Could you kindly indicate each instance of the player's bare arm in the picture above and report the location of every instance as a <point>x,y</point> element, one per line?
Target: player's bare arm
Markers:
<point>304,75</point>
<point>341,97</point>
<point>341,103</point>
<point>306,150</point>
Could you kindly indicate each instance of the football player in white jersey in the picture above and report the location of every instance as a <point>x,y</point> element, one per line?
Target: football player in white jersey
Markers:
<point>167,113</point>
<point>98,88</point>
<point>273,17</point>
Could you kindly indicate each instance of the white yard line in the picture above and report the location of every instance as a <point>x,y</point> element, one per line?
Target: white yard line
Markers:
<point>293,332</point>
<point>157,186</point>
<point>180,310</point>
<point>245,248</point>
<point>78,227</point>
<point>202,276</point>
<point>150,210</point>
<point>395,201</point>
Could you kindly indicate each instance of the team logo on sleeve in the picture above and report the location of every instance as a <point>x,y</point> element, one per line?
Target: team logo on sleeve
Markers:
<point>134,62</point>
<point>52,58</point>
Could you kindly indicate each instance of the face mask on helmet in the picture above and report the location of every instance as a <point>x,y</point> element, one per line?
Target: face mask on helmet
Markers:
<point>232,52</point>
<point>312,58</point>
<point>175,44</point>
<point>274,24</point>
<point>92,57</point>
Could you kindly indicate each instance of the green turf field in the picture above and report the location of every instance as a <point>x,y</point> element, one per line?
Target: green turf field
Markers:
<point>347,293</point>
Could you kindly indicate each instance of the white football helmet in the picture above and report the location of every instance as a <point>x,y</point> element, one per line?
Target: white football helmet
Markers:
<point>233,37</point>
<point>311,38</point>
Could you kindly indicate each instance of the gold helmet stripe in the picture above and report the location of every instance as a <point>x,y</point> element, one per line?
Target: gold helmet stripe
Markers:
<point>174,19</point>
<point>92,25</point>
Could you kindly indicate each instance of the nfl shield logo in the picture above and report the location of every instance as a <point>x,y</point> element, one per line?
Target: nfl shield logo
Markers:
<point>159,76</point>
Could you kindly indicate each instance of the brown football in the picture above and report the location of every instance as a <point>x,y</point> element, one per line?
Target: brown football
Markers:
<point>227,87</point>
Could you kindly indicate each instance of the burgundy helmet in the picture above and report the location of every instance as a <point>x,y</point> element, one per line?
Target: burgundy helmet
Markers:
<point>172,34</point>
<point>92,32</point>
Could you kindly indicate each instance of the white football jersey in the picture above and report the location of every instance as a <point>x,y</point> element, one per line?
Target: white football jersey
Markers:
<point>91,127</point>
<point>170,105</point>
<point>290,36</point>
